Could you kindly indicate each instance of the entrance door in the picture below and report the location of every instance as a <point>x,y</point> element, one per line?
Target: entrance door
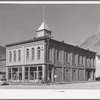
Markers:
<point>88,75</point>
<point>15,74</point>
<point>50,73</point>
<point>67,75</point>
<point>74,74</point>
<point>33,74</point>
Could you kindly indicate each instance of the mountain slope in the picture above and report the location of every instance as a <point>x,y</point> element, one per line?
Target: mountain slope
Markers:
<point>93,43</point>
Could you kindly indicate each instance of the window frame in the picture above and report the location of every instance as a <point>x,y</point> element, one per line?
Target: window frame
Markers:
<point>10,56</point>
<point>27,54</point>
<point>19,55</point>
<point>14,56</point>
<point>74,58</point>
<point>38,53</point>
<point>33,53</point>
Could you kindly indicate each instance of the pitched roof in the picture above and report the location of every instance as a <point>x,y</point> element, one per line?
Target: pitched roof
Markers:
<point>43,26</point>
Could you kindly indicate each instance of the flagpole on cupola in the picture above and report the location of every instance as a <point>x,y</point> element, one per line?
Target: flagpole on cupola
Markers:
<point>43,13</point>
<point>48,79</point>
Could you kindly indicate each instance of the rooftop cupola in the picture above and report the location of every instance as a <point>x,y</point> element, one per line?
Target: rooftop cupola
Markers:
<point>43,31</point>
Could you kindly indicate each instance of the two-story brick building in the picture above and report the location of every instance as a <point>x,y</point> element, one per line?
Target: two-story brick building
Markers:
<point>43,58</point>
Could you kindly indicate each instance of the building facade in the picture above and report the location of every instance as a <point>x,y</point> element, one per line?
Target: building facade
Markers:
<point>43,59</point>
<point>2,62</point>
<point>93,43</point>
<point>2,69</point>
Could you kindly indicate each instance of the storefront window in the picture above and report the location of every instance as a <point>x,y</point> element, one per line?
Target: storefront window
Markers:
<point>26,73</point>
<point>40,73</point>
<point>20,73</point>
<point>32,69</point>
<point>31,73</point>
<point>50,72</point>
<point>9,73</point>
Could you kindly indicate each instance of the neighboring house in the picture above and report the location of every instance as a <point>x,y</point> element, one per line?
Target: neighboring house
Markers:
<point>2,62</point>
<point>97,65</point>
<point>93,44</point>
<point>43,59</point>
<point>3,68</point>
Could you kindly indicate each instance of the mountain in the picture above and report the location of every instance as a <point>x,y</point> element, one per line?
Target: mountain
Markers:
<point>93,43</point>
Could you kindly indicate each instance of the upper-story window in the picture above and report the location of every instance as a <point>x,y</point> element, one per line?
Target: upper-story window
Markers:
<point>27,54</point>
<point>50,54</point>
<point>73,57</point>
<point>93,62</point>
<point>86,61</point>
<point>81,60</point>
<point>14,56</point>
<point>58,55</point>
<point>67,55</point>
<point>38,53</point>
<point>33,53</point>
<point>89,62</point>
<point>19,55</point>
<point>10,56</point>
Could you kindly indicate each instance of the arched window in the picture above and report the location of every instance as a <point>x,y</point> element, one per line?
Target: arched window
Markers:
<point>10,56</point>
<point>19,55</point>
<point>14,56</point>
<point>27,54</point>
<point>81,60</point>
<point>38,53</point>
<point>86,61</point>
<point>73,57</point>
<point>50,54</point>
<point>58,55</point>
<point>33,53</point>
<point>89,62</point>
<point>66,57</point>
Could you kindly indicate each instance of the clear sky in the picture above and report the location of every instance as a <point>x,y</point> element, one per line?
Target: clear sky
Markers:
<point>71,23</point>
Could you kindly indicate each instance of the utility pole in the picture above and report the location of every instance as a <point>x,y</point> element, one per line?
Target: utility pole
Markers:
<point>48,79</point>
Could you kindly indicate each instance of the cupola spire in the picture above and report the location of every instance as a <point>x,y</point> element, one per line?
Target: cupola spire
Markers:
<point>43,30</point>
<point>43,14</point>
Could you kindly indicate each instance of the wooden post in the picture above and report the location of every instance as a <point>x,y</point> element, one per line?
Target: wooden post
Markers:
<point>84,75</point>
<point>23,74</point>
<point>48,61</point>
<point>7,73</point>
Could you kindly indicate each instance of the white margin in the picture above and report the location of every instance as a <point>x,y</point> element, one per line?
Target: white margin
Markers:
<point>49,2</point>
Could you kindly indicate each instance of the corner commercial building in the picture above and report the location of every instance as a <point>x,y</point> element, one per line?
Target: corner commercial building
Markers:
<point>43,58</point>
